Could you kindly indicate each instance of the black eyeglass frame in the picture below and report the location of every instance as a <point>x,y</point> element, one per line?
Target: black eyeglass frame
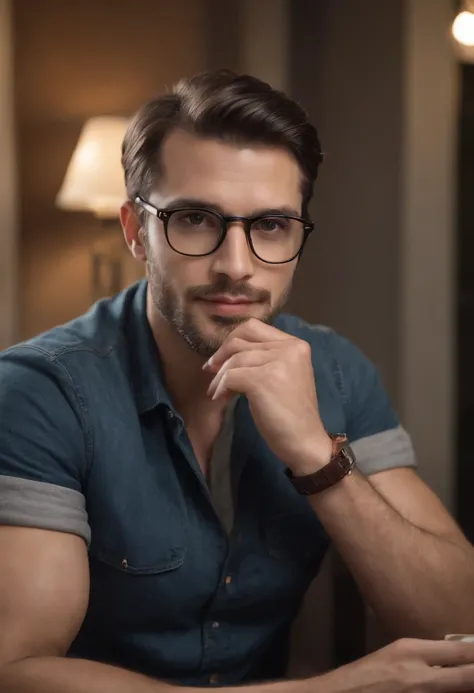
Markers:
<point>165,214</point>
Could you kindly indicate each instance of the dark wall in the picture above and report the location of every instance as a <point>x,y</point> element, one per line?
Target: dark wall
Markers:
<point>347,70</point>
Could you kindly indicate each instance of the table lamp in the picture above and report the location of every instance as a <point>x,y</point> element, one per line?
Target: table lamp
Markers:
<point>94,183</point>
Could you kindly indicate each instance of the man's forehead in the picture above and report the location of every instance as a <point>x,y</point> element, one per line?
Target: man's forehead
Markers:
<point>227,174</point>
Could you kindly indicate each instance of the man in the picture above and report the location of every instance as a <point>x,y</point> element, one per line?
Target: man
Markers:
<point>169,477</point>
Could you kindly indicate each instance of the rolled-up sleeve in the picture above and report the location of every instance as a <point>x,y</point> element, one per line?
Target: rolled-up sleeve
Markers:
<point>43,444</point>
<point>378,438</point>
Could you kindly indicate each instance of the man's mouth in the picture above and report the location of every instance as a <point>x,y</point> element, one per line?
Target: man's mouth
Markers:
<point>223,304</point>
<point>225,298</point>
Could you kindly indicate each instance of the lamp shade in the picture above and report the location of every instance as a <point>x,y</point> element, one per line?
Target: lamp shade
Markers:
<point>94,179</point>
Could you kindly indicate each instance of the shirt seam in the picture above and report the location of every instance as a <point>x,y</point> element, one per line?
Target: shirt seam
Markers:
<point>85,427</point>
<point>337,370</point>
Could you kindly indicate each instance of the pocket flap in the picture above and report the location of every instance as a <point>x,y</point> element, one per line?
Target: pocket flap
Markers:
<point>170,560</point>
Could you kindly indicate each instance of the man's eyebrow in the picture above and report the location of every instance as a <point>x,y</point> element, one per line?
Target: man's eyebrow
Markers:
<point>284,209</point>
<point>195,203</point>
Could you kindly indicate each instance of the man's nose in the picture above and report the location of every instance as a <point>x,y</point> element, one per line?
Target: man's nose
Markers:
<point>234,257</point>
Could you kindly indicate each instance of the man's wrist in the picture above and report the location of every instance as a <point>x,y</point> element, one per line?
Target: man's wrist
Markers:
<point>314,457</point>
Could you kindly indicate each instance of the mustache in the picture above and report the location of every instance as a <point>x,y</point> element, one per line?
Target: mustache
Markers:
<point>230,288</point>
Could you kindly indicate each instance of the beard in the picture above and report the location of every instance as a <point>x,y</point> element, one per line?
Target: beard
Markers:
<point>181,317</point>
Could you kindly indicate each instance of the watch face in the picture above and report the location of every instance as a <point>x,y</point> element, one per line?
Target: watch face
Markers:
<point>348,452</point>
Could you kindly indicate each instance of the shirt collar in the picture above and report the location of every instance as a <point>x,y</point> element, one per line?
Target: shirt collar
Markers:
<point>144,358</point>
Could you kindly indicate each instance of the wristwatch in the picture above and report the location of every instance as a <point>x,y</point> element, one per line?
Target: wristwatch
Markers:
<point>341,464</point>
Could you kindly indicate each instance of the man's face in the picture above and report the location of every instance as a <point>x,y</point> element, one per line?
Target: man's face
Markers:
<point>197,294</point>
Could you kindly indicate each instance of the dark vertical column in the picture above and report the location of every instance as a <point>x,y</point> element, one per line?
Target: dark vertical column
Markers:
<point>223,34</point>
<point>465,302</point>
<point>346,69</point>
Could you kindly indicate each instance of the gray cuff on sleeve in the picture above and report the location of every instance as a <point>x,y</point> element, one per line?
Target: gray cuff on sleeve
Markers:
<point>27,503</point>
<point>387,450</point>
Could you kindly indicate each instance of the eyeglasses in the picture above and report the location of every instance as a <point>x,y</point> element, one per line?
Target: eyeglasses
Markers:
<point>273,238</point>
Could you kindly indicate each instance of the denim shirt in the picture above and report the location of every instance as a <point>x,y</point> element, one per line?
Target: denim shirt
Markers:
<point>91,444</point>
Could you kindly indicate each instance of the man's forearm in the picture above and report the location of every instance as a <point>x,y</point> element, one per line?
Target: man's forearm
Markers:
<point>63,675</point>
<point>420,584</point>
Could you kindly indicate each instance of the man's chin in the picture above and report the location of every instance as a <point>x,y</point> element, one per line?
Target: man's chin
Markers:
<point>230,320</point>
<point>206,333</point>
<point>214,330</point>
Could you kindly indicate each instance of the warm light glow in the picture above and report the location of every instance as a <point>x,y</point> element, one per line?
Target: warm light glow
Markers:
<point>463,28</point>
<point>94,178</point>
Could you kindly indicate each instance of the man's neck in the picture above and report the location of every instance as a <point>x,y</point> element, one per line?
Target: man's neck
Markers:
<point>185,380</point>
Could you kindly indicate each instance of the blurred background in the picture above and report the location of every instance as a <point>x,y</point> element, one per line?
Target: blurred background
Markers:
<point>392,263</point>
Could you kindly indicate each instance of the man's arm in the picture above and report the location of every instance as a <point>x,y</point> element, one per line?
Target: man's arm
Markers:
<point>409,558</point>
<point>44,592</point>
<point>412,563</point>
<point>44,588</point>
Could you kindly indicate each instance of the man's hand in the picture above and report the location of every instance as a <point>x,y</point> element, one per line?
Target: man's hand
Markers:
<point>274,371</point>
<point>407,666</point>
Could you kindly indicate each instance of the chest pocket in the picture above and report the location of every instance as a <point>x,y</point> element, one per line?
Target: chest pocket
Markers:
<point>289,528</point>
<point>138,519</point>
<point>138,566</point>
<point>153,563</point>
<point>147,536</point>
<point>295,545</point>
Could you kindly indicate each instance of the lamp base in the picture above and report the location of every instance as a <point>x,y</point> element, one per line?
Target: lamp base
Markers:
<point>107,261</point>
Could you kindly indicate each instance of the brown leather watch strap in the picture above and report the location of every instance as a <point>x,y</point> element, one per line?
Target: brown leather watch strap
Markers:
<point>341,464</point>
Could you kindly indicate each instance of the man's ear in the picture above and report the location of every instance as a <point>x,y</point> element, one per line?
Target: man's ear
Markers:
<point>133,231</point>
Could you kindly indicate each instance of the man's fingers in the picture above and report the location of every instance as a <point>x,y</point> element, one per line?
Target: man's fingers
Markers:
<point>440,652</point>
<point>234,345</point>
<point>455,678</point>
<point>449,654</point>
<point>254,330</point>
<point>236,381</point>
<point>244,359</point>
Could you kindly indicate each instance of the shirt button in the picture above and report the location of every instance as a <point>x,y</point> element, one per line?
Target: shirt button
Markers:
<point>214,678</point>
<point>216,625</point>
<point>124,564</point>
<point>170,414</point>
<point>228,580</point>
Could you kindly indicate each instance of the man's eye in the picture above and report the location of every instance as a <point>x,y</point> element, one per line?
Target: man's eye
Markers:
<point>195,218</point>
<point>270,225</point>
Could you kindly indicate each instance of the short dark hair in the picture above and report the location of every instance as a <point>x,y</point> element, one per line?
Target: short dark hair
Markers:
<point>223,105</point>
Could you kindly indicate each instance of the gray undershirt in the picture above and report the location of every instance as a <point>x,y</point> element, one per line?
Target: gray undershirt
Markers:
<point>220,477</point>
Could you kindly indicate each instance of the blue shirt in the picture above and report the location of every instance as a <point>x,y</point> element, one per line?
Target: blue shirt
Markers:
<point>91,444</point>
